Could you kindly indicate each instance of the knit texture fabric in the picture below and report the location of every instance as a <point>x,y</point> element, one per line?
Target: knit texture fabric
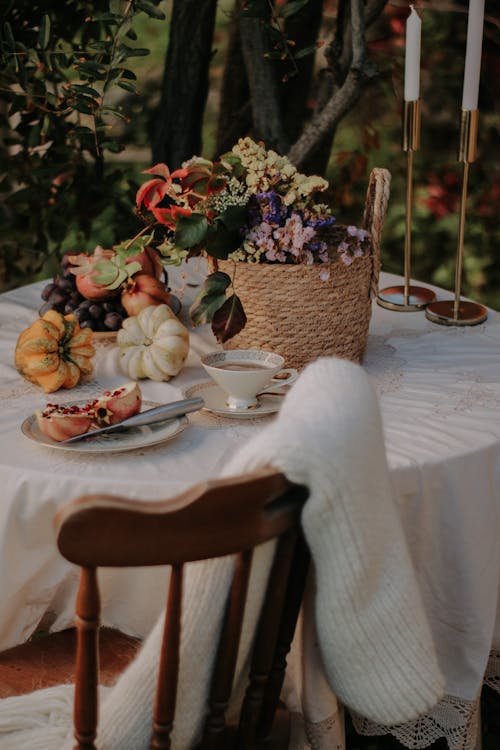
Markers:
<point>374,638</point>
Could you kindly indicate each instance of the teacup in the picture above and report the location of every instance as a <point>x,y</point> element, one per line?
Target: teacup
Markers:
<point>244,373</point>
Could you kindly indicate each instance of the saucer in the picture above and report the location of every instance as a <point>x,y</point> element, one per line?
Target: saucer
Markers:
<point>215,402</point>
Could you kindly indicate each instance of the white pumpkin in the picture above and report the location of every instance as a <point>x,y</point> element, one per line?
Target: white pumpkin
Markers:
<point>153,344</point>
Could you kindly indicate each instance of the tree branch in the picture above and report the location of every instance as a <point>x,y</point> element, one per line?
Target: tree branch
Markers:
<point>325,121</point>
<point>347,63</point>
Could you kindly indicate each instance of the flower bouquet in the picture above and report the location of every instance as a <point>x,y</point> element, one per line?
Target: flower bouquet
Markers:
<point>279,262</point>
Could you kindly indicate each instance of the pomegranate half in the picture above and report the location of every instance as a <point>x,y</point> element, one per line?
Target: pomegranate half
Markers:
<point>59,422</point>
<point>118,404</point>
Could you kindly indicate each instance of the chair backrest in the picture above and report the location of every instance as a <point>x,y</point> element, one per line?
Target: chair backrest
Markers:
<point>213,519</point>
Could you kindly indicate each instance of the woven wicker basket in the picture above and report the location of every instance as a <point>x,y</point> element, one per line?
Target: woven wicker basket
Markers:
<point>291,311</point>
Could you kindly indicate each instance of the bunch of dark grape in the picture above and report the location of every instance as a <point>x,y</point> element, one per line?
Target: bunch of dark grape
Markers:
<point>62,295</point>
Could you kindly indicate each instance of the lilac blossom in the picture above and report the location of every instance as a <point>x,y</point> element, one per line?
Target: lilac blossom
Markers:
<point>293,237</point>
<point>279,233</point>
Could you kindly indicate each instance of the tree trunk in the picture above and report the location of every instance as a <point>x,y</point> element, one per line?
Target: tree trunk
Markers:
<point>262,78</point>
<point>235,111</point>
<point>297,91</point>
<point>179,118</point>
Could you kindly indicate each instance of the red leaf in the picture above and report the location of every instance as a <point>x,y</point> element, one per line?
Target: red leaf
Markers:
<point>229,319</point>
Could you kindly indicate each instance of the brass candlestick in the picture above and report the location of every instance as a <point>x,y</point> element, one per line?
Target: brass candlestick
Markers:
<point>408,298</point>
<point>459,312</point>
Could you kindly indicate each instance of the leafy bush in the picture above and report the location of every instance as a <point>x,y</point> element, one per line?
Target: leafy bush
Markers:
<point>65,69</point>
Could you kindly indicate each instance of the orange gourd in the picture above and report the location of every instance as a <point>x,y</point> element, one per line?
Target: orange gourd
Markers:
<point>54,352</point>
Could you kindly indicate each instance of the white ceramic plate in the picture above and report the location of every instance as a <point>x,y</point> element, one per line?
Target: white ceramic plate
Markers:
<point>114,442</point>
<point>215,402</point>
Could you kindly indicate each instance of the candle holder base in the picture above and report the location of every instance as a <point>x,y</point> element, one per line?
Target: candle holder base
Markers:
<point>468,314</point>
<point>394,298</point>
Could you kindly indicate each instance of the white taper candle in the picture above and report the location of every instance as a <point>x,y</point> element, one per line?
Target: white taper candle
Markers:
<point>473,54</point>
<point>412,56</point>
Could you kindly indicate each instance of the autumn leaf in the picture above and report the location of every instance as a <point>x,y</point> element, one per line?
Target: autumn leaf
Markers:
<point>229,319</point>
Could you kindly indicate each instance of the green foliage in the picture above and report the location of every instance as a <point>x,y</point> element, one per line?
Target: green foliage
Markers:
<point>190,230</point>
<point>113,272</point>
<point>211,305</point>
<point>210,298</point>
<point>62,68</point>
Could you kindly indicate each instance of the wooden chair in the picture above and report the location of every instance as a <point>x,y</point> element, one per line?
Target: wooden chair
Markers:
<point>213,519</point>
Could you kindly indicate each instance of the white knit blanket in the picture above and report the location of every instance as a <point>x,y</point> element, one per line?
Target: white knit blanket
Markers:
<point>375,642</point>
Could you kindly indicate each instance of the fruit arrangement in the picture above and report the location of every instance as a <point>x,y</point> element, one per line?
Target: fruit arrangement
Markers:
<point>59,421</point>
<point>54,352</point>
<point>105,287</point>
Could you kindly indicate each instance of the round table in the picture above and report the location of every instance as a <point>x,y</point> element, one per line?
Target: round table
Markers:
<point>439,391</point>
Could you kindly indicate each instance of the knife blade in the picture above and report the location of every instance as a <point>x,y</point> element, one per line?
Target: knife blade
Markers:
<point>150,416</point>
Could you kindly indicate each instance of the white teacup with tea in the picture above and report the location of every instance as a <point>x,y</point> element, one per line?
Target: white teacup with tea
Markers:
<point>245,373</point>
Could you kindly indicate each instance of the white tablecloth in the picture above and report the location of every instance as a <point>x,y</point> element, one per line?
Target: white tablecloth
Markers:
<point>439,391</point>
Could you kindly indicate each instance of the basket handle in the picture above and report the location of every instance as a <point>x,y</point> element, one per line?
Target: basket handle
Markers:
<point>377,198</point>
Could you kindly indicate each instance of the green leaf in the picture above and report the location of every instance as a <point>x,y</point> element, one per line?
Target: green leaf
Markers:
<point>126,51</point>
<point>120,278</point>
<point>234,217</point>
<point>113,19</point>
<point>33,58</point>
<point>150,9</point>
<point>34,135</point>
<point>126,86</point>
<point>107,274</point>
<point>79,88</point>
<point>128,74</point>
<point>210,298</point>
<point>190,230</point>
<point>204,311</point>
<point>216,282</point>
<point>305,52</point>
<point>220,242</point>
<point>44,32</point>
<point>91,68</point>
<point>292,7</point>
<point>116,112</point>
<point>84,105</point>
<point>9,37</point>
<point>229,319</point>
<point>122,73</point>
<point>113,146</point>
<point>133,267</point>
<point>136,247</point>
<point>100,46</point>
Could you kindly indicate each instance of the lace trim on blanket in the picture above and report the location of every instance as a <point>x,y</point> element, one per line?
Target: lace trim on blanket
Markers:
<point>327,734</point>
<point>455,719</point>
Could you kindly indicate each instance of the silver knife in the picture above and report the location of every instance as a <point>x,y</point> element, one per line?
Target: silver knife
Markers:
<point>150,416</point>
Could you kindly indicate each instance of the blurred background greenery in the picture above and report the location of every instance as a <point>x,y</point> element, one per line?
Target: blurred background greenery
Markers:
<point>44,213</point>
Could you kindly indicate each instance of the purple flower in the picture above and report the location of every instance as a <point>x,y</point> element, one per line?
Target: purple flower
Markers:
<point>271,207</point>
<point>320,223</point>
